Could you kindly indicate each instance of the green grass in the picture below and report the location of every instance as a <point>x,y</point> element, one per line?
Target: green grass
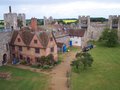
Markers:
<point>104,73</point>
<point>23,80</point>
<point>69,21</point>
<point>74,49</point>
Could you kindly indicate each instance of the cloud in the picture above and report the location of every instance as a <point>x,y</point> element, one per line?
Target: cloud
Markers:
<point>21,2</point>
<point>66,9</point>
<point>60,9</point>
<point>40,2</point>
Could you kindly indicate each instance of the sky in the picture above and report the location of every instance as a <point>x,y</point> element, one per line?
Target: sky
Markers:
<point>61,8</point>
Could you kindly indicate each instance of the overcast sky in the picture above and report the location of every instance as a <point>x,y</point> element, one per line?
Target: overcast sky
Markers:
<point>61,8</point>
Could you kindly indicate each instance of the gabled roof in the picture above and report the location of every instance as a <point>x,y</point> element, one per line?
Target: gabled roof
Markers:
<point>44,38</point>
<point>14,35</point>
<point>26,36</point>
<point>76,32</point>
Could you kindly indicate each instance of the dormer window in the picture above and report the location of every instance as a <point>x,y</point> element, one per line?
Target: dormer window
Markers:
<point>52,49</point>
<point>19,40</point>
<point>35,41</point>
<point>51,39</point>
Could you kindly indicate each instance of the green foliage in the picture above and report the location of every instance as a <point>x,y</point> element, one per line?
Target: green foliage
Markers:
<point>40,21</point>
<point>20,23</point>
<point>105,73</point>
<point>45,62</point>
<point>109,37</point>
<point>23,62</point>
<point>99,19</point>
<point>1,24</point>
<point>83,60</point>
<point>60,21</point>
<point>28,22</point>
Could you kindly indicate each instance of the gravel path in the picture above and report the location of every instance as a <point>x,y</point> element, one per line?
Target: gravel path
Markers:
<point>58,74</point>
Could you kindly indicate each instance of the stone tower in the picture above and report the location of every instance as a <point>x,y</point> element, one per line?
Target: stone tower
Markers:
<point>114,23</point>
<point>119,28</point>
<point>21,17</point>
<point>10,20</point>
<point>48,21</point>
<point>45,20</point>
<point>84,22</point>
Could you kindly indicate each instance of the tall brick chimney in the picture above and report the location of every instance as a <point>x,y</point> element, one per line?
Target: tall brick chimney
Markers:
<point>33,24</point>
<point>10,9</point>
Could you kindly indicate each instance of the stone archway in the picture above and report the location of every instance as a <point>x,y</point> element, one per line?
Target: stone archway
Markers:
<point>4,59</point>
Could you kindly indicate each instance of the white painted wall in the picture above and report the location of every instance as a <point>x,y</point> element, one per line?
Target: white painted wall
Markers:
<point>76,41</point>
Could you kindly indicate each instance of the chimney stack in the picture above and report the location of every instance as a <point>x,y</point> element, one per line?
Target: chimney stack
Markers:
<point>34,24</point>
<point>10,9</point>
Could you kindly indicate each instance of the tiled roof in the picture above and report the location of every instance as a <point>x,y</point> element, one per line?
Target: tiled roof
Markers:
<point>78,32</point>
<point>14,35</point>
<point>26,36</point>
<point>44,38</point>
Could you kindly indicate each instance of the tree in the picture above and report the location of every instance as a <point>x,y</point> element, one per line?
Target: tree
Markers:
<point>110,37</point>
<point>83,59</point>
<point>20,23</point>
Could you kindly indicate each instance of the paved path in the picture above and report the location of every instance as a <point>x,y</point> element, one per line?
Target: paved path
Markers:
<point>58,74</point>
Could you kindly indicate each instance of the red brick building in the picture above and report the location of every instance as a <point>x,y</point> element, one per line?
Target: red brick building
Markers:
<point>31,43</point>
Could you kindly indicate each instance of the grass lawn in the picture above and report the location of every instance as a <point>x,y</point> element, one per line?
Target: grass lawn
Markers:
<point>104,73</point>
<point>23,80</point>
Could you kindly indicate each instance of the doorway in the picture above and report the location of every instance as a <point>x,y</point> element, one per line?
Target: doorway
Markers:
<point>4,59</point>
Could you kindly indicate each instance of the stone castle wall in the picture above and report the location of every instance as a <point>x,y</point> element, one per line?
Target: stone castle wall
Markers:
<point>4,46</point>
<point>96,29</point>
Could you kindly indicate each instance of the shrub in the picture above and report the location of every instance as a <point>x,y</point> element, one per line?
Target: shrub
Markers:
<point>45,62</point>
<point>83,60</point>
<point>23,62</point>
<point>110,37</point>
